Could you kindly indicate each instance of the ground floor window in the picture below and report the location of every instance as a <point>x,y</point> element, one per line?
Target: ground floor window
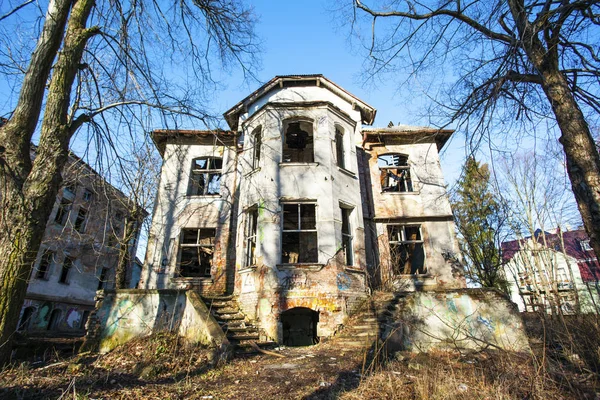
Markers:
<point>197,247</point>
<point>407,255</point>
<point>299,234</point>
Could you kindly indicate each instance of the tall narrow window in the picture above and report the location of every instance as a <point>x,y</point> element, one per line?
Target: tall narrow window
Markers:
<point>205,178</point>
<point>44,266</point>
<point>256,149</point>
<point>65,270</point>
<point>64,209</point>
<point>395,173</point>
<point>26,319</point>
<point>347,236</point>
<point>299,234</point>
<point>102,278</point>
<point>339,147</point>
<point>197,247</point>
<point>251,227</point>
<point>406,249</point>
<point>298,143</point>
<point>80,220</point>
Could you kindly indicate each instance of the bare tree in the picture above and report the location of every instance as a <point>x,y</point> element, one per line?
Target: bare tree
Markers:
<point>116,59</point>
<point>514,59</point>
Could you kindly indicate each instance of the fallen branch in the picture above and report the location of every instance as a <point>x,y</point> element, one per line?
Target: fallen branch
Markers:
<point>270,353</point>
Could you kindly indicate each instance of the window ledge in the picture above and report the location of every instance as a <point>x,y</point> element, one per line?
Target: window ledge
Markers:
<point>203,196</point>
<point>413,193</point>
<point>357,270</point>
<point>301,266</point>
<point>246,270</point>
<point>298,164</point>
<point>347,172</point>
<point>192,278</point>
<point>254,171</point>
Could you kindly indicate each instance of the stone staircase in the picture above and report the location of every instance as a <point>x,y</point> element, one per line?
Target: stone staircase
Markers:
<point>226,311</point>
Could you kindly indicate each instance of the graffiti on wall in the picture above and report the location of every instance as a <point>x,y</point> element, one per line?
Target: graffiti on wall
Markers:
<point>343,281</point>
<point>295,281</point>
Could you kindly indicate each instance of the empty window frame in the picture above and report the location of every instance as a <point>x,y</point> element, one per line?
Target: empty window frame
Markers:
<point>205,178</point>
<point>70,190</point>
<point>26,318</point>
<point>395,173</point>
<point>256,149</point>
<point>339,147</point>
<point>88,195</point>
<point>196,249</point>
<point>65,270</point>
<point>347,236</point>
<point>81,220</point>
<point>43,269</point>
<point>299,234</point>
<point>298,143</point>
<point>407,255</point>
<point>64,209</point>
<point>250,236</point>
<point>103,278</point>
<point>585,245</point>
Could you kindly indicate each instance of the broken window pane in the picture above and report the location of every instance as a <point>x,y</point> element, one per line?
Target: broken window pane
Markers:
<point>196,252</point>
<point>62,214</point>
<point>407,254</point>
<point>81,219</point>
<point>256,150</point>
<point>298,143</point>
<point>299,236</point>
<point>205,178</point>
<point>394,173</point>
<point>44,265</point>
<point>66,268</point>
<point>251,228</point>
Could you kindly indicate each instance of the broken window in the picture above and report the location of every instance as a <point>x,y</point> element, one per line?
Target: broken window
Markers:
<point>585,245</point>
<point>102,279</point>
<point>87,195</point>
<point>339,147</point>
<point>298,143</point>
<point>26,319</point>
<point>70,190</point>
<point>406,249</point>
<point>251,225</point>
<point>44,265</point>
<point>54,322</point>
<point>64,209</point>
<point>80,220</point>
<point>347,235</point>
<point>395,173</point>
<point>299,234</point>
<point>205,178</point>
<point>256,149</point>
<point>64,272</point>
<point>196,250</point>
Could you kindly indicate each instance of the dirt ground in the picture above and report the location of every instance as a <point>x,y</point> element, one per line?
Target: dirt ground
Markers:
<point>160,367</point>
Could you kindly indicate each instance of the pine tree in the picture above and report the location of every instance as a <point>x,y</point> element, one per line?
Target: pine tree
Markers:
<point>479,220</point>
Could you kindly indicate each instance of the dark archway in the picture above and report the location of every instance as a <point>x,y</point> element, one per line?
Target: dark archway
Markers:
<point>54,321</point>
<point>26,319</point>
<point>299,326</point>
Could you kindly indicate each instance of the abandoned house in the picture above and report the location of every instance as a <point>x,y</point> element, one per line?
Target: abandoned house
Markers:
<point>78,254</point>
<point>298,210</point>
<point>561,260</point>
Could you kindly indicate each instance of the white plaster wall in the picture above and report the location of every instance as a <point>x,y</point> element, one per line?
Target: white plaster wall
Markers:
<point>175,210</point>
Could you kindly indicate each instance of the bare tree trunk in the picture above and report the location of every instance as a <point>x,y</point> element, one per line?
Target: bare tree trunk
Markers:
<point>30,194</point>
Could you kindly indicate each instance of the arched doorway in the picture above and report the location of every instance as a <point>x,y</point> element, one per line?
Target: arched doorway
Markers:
<point>299,326</point>
<point>26,319</point>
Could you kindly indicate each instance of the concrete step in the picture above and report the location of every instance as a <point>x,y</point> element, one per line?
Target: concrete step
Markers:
<point>243,336</point>
<point>242,329</point>
<point>226,310</point>
<point>230,317</point>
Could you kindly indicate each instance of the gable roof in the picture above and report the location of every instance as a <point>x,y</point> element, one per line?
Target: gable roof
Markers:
<point>586,259</point>
<point>232,115</point>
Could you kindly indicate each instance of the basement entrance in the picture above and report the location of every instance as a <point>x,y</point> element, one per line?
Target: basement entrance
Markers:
<point>299,326</point>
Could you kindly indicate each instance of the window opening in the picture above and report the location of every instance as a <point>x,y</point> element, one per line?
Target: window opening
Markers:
<point>299,234</point>
<point>26,318</point>
<point>54,321</point>
<point>44,265</point>
<point>256,150</point>
<point>197,247</point>
<point>64,209</point>
<point>299,326</point>
<point>298,144</point>
<point>84,318</point>
<point>395,173</point>
<point>70,190</point>
<point>406,249</point>
<point>339,147</point>
<point>585,245</point>
<point>66,268</point>
<point>102,278</point>
<point>347,236</point>
<point>206,176</point>
<point>80,220</point>
<point>251,228</point>
<point>88,195</point>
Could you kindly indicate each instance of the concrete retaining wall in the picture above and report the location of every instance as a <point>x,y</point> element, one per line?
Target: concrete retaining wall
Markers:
<point>122,315</point>
<point>455,319</point>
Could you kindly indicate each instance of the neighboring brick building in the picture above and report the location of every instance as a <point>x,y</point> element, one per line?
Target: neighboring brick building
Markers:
<point>298,211</point>
<point>576,270</point>
<point>78,254</point>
